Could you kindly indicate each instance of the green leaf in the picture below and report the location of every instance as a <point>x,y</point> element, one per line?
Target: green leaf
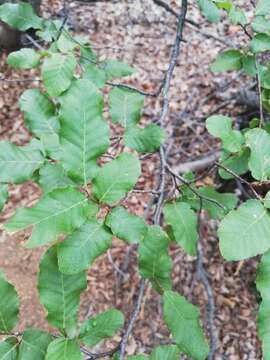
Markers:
<point>18,163</point>
<point>238,163</point>
<point>53,176</point>
<point>249,65</point>
<point>237,16</point>
<point>263,7</point>
<point>100,327</point>
<point>50,30</point>
<point>57,73</point>
<point>154,262</point>
<point>78,251</point>
<point>23,59</point>
<point>260,24</point>
<point>182,319</point>
<point>8,349</point>
<point>265,77</point>
<point>95,74</point>
<point>148,139</point>
<point>66,43</point>
<point>34,345</point>
<point>117,69</point>
<point>240,230</point>
<point>3,195</point>
<point>116,178</point>
<point>126,226</point>
<point>183,222</point>
<point>125,106</point>
<point>165,352</point>
<point>9,305</point>
<point>51,145</point>
<point>258,140</point>
<point>59,212</point>
<point>39,113</point>
<point>59,293</point>
<point>221,126</point>
<point>263,286</point>
<point>20,16</point>
<point>209,10</point>
<point>137,357</point>
<point>227,60</point>
<point>64,349</point>
<point>84,136</point>
<point>260,43</point>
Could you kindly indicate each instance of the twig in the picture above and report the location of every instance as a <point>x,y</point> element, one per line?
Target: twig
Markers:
<point>259,86</point>
<point>34,42</point>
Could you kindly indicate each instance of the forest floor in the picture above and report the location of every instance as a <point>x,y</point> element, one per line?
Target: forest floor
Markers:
<point>141,34</point>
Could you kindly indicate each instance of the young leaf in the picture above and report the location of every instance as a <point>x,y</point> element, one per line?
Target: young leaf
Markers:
<point>57,73</point>
<point>9,349</point>
<point>51,145</point>
<point>53,176</point>
<point>116,178</point>
<point>209,10</point>
<point>260,25</point>
<point>165,352</point>
<point>18,163</point>
<point>221,126</point>
<point>39,113</point>
<point>249,65</point>
<point>137,357</point>
<point>154,261</point>
<point>183,222</point>
<point>260,43</point>
<point>182,319</point>
<point>117,69</point>
<point>64,349</point>
<point>59,293</point>
<point>126,226</point>
<point>84,136</point>
<point>79,250</point>
<point>258,140</point>
<point>263,286</point>
<point>237,16</point>
<point>125,106</point>
<point>95,74</point>
<point>263,7</point>
<point>3,195</point>
<point>34,345</point>
<point>9,305</point>
<point>227,60</point>
<point>148,139</point>
<point>100,327</point>
<point>23,59</point>
<point>59,212</point>
<point>20,16</point>
<point>240,230</point>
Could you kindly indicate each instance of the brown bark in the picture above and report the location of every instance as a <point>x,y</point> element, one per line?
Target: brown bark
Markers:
<point>9,37</point>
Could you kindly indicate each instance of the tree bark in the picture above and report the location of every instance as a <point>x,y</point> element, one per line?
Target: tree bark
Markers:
<point>10,39</point>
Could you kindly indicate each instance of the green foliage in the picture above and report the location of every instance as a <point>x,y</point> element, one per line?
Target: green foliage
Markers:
<point>100,327</point>
<point>154,261</point>
<point>116,178</point>
<point>20,16</point>
<point>125,226</point>
<point>263,286</point>
<point>209,10</point>
<point>148,139</point>
<point>260,43</point>
<point>227,60</point>
<point>60,293</point>
<point>59,212</point>
<point>79,250</point>
<point>23,59</point>
<point>263,7</point>
<point>63,349</point>
<point>84,136</point>
<point>240,230</point>
<point>183,222</point>
<point>9,349</point>
<point>34,344</point>
<point>57,73</point>
<point>182,319</point>
<point>125,106</point>
<point>165,352</point>
<point>221,126</point>
<point>3,195</point>
<point>52,177</point>
<point>9,305</point>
